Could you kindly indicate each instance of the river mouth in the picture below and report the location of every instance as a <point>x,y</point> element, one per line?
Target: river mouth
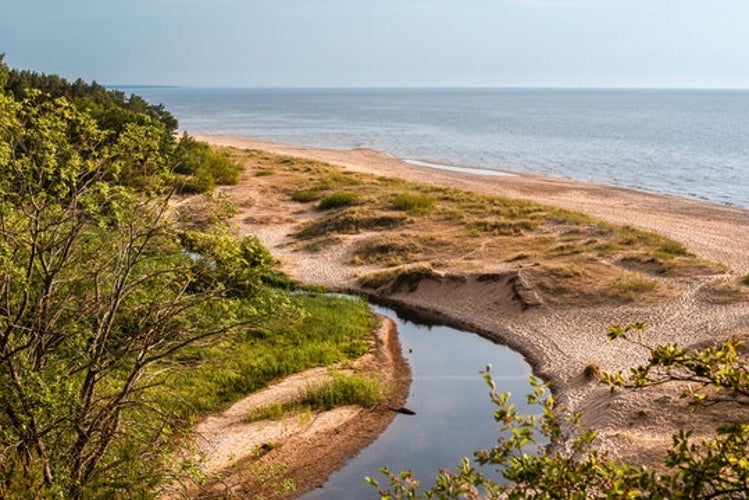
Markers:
<point>453,412</point>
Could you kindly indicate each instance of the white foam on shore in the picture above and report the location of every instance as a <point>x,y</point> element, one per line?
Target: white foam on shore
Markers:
<point>465,170</point>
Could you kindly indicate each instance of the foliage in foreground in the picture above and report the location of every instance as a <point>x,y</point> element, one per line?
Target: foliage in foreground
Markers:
<point>96,296</point>
<point>571,467</point>
<point>116,322</point>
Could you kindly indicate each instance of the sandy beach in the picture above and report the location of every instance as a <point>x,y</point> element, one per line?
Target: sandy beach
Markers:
<point>558,341</point>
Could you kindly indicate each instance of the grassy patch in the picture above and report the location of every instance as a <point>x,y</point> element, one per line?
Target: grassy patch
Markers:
<point>338,200</point>
<point>728,292</point>
<point>500,227</point>
<point>389,251</point>
<point>273,411</point>
<point>745,280</point>
<point>415,204</point>
<point>630,287</point>
<point>342,390</point>
<point>320,244</point>
<point>305,195</point>
<point>322,330</point>
<point>351,221</point>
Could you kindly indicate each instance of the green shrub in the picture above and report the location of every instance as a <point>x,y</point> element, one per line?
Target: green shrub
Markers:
<point>339,199</point>
<point>203,166</point>
<point>201,182</point>
<point>745,280</point>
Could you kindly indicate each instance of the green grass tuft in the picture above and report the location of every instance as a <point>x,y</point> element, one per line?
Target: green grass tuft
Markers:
<point>338,200</point>
<point>415,204</point>
<point>273,411</point>
<point>387,251</point>
<point>305,195</point>
<point>342,390</point>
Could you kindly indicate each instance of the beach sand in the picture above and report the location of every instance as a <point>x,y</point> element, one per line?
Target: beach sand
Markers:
<point>558,341</point>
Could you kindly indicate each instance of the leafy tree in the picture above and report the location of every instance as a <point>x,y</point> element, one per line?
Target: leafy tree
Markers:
<point>202,167</point>
<point>96,297</point>
<point>571,467</point>
<point>111,108</point>
<point>3,72</point>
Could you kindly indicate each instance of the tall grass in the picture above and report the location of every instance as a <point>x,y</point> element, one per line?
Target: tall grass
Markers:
<point>342,390</point>
<point>415,204</point>
<point>326,330</point>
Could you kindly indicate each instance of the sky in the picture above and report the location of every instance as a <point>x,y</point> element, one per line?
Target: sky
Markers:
<point>390,43</point>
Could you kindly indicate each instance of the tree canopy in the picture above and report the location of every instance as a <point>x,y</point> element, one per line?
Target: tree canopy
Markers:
<point>98,292</point>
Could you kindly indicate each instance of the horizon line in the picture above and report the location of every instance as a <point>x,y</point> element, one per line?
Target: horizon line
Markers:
<point>423,87</point>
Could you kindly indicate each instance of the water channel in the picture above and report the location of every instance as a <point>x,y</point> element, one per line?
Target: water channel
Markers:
<point>453,411</point>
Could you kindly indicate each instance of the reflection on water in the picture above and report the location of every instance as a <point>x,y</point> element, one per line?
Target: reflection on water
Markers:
<point>453,411</point>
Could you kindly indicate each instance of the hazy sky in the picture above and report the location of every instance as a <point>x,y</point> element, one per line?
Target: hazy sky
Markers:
<point>621,43</point>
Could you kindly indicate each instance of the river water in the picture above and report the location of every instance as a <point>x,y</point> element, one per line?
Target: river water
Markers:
<point>453,410</point>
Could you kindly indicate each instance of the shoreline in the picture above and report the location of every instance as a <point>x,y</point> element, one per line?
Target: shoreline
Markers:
<point>559,342</point>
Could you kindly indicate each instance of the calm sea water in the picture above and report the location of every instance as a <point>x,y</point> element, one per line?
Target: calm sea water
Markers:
<point>690,143</point>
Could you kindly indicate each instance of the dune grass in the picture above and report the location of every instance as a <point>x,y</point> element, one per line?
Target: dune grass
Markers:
<point>415,204</point>
<point>339,199</point>
<point>391,218</point>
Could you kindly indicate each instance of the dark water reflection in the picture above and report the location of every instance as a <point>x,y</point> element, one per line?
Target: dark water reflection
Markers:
<point>453,412</point>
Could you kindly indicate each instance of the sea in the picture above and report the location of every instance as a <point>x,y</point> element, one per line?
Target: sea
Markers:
<point>689,143</point>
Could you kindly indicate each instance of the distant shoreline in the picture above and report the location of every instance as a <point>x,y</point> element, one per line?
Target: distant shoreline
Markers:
<point>683,142</point>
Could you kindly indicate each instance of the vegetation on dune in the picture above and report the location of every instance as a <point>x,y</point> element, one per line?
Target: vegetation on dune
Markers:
<point>711,467</point>
<point>390,251</point>
<point>119,319</point>
<point>415,204</point>
<point>610,262</point>
<point>338,200</point>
